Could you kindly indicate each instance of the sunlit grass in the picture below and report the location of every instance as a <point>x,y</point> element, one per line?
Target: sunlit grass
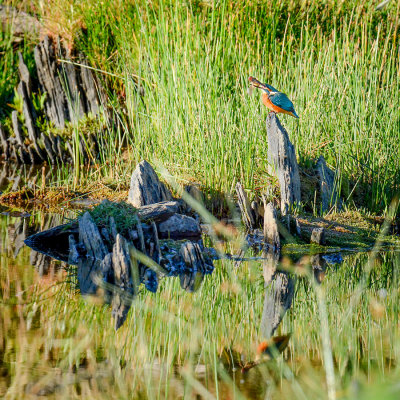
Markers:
<point>338,62</point>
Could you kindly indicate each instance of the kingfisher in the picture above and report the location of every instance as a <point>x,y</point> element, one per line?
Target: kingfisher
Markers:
<point>273,99</point>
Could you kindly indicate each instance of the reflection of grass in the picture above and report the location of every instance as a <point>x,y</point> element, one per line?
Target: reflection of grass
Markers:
<point>55,341</point>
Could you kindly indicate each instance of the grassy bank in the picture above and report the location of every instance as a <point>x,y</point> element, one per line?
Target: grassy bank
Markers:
<point>338,61</point>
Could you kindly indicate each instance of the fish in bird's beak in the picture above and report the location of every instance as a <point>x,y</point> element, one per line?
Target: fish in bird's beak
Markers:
<point>254,82</point>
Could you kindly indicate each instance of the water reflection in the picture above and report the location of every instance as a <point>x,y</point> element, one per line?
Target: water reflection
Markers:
<point>279,291</point>
<point>276,291</point>
<point>17,226</point>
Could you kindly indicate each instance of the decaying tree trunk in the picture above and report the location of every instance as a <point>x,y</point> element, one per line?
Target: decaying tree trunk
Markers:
<point>282,157</point>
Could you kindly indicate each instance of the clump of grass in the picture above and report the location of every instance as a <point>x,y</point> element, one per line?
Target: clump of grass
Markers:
<point>124,214</point>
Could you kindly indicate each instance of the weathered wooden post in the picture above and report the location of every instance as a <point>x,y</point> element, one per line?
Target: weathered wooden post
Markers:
<point>282,157</point>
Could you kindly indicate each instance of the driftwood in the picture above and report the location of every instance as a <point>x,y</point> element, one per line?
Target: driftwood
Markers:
<point>282,157</point>
<point>328,187</point>
<point>146,188</point>
<point>247,212</point>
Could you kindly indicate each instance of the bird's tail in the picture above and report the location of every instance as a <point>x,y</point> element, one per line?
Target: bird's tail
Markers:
<point>294,114</point>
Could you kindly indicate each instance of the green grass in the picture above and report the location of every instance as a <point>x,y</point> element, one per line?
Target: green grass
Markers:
<point>338,62</point>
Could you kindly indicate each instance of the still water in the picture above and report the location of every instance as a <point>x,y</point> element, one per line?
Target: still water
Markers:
<point>53,341</point>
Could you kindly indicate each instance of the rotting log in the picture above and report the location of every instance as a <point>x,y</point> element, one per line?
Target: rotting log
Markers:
<point>282,157</point>
<point>145,187</point>
<point>248,216</point>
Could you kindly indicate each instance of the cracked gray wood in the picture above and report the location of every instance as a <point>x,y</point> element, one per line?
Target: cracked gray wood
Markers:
<point>248,216</point>
<point>159,212</point>
<point>145,187</point>
<point>193,256</point>
<point>282,158</point>
<point>271,232</point>
<point>90,236</point>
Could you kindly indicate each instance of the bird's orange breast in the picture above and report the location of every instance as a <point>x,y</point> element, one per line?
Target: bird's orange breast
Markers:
<point>268,103</point>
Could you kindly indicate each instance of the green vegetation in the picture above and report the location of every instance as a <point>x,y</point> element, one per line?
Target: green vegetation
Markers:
<point>124,215</point>
<point>339,63</point>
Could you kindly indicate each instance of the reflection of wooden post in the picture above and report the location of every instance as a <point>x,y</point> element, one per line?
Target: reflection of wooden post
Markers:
<point>278,295</point>
<point>282,157</point>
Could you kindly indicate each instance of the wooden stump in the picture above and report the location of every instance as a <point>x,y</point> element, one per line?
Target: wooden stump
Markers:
<point>248,216</point>
<point>146,188</point>
<point>318,236</point>
<point>90,236</point>
<point>282,157</point>
<point>271,232</point>
<point>71,91</point>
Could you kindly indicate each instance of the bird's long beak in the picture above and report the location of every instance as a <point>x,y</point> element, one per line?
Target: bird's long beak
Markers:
<point>254,82</point>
